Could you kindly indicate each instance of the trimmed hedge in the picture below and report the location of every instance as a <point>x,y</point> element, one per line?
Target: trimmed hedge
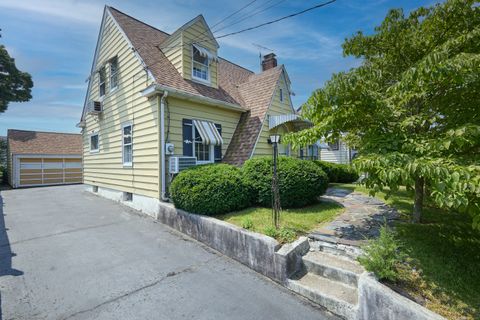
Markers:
<point>301,182</point>
<point>210,189</point>
<point>340,173</point>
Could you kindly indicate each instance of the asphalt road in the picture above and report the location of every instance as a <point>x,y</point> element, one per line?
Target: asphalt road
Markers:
<point>68,254</point>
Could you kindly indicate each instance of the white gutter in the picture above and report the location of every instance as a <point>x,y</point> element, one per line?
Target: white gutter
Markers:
<point>158,88</point>
<point>163,196</point>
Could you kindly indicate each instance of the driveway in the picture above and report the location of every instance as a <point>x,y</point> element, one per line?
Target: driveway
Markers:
<point>68,254</point>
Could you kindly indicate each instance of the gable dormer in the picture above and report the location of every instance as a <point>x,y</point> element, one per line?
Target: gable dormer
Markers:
<point>192,49</point>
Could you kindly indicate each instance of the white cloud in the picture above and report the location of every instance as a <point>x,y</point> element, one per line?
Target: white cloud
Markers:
<point>80,11</point>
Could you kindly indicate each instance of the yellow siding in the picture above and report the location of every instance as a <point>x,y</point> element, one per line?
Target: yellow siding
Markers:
<point>181,109</point>
<point>173,51</point>
<point>276,108</point>
<point>124,104</point>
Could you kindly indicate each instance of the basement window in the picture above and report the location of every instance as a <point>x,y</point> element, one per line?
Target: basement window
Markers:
<point>127,196</point>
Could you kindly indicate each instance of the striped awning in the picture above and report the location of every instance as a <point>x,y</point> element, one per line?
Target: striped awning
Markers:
<point>294,119</point>
<point>208,132</point>
<point>204,52</point>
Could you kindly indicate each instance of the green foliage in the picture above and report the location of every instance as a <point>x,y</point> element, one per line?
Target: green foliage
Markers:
<point>283,235</point>
<point>300,182</point>
<point>338,173</point>
<point>416,94</point>
<point>381,256</point>
<point>15,85</point>
<point>270,231</point>
<point>210,190</point>
<point>247,223</point>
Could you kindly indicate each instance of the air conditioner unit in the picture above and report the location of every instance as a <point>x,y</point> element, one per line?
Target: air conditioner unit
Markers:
<point>94,107</point>
<point>178,164</point>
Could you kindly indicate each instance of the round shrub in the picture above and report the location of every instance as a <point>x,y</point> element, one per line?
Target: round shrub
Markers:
<point>338,173</point>
<point>301,182</point>
<point>210,190</point>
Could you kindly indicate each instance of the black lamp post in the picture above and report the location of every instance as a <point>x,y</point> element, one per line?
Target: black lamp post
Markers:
<point>275,140</point>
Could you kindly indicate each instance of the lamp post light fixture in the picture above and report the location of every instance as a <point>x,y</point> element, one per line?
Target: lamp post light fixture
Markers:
<point>275,140</point>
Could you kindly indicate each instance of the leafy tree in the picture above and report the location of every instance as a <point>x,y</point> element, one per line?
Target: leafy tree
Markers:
<point>15,85</point>
<point>412,108</point>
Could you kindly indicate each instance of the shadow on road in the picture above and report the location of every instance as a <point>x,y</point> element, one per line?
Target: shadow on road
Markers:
<point>6,253</point>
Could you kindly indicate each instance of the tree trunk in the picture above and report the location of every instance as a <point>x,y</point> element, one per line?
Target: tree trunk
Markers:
<point>418,204</point>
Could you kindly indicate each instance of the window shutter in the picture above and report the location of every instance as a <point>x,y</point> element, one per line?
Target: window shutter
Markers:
<point>218,149</point>
<point>187,137</point>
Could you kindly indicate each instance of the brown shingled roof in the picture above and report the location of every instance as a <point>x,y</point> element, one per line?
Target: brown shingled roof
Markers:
<point>36,142</point>
<point>236,85</point>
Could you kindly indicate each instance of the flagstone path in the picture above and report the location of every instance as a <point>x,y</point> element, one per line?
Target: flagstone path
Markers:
<point>361,220</point>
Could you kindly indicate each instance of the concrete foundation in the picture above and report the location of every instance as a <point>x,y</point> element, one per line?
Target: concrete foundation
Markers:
<point>147,205</point>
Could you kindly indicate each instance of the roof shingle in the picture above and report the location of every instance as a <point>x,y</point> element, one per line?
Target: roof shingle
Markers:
<point>36,142</point>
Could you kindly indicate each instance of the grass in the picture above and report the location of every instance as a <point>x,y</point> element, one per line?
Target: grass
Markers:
<point>298,221</point>
<point>443,257</point>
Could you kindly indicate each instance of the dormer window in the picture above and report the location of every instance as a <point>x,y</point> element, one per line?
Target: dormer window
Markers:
<point>200,68</point>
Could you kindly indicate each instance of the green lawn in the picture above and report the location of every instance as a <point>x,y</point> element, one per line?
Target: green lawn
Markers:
<point>445,258</point>
<point>296,221</point>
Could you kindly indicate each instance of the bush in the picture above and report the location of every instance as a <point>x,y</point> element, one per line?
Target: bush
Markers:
<point>338,173</point>
<point>283,235</point>
<point>210,190</point>
<point>381,256</point>
<point>300,182</point>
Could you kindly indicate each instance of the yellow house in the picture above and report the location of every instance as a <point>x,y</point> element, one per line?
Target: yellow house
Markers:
<point>157,103</point>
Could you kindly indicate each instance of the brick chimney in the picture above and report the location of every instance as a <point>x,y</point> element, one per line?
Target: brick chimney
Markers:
<point>269,61</point>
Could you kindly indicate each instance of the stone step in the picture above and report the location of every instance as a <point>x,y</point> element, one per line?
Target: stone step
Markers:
<point>333,267</point>
<point>334,246</point>
<point>334,296</point>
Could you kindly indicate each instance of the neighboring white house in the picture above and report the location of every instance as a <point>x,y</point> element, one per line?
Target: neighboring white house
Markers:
<point>336,152</point>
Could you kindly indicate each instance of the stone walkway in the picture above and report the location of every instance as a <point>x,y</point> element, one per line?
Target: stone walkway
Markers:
<point>361,220</point>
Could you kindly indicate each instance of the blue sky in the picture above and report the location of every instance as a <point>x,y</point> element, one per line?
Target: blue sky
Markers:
<point>54,40</point>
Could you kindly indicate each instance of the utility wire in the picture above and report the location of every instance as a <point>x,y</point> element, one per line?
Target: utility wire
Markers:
<point>249,15</point>
<point>277,20</point>
<point>234,13</point>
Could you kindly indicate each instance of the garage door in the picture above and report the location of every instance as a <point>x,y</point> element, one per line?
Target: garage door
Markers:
<point>33,171</point>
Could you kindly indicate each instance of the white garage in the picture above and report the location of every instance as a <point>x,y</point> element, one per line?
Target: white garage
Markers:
<point>43,158</point>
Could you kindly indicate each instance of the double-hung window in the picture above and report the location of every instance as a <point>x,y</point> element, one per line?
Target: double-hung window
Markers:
<point>203,152</point>
<point>127,144</point>
<point>94,146</point>
<point>200,68</point>
<point>113,73</point>
<point>102,79</point>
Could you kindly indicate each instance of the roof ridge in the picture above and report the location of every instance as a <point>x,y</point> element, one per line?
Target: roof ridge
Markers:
<point>236,64</point>
<point>138,20</point>
<point>52,132</point>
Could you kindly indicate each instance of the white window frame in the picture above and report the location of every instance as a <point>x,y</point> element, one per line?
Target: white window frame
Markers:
<point>112,75</point>
<point>211,150</point>
<point>100,83</point>
<point>90,142</point>
<point>195,78</point>
<point>127,124</point>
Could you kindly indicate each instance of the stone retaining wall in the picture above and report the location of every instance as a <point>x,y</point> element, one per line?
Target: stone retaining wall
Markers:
<point>257,251</point>
<point>378,302</point>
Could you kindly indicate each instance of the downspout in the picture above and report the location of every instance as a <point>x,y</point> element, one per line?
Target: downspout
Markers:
<point>163,196</point>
